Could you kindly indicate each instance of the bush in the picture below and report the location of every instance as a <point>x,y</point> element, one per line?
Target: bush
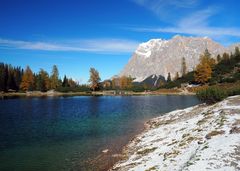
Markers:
<point>234,91</point>
<point>228,80</point>
<point>137,88</point>
<point>211,95</point>
<point>81,88</point>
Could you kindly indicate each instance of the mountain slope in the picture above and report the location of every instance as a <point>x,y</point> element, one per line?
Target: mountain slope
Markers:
<point>159,56</point>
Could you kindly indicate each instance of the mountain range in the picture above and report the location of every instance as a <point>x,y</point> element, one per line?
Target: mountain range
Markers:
<point>160,57</point>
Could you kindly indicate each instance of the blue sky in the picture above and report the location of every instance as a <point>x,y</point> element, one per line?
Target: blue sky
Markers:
<point>79,34</point>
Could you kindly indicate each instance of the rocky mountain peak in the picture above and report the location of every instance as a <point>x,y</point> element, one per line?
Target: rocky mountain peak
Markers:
<point>159,56</point>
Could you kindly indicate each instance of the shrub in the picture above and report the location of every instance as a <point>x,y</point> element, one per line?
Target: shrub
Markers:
<point>211,95</point>
<point>234,91</point>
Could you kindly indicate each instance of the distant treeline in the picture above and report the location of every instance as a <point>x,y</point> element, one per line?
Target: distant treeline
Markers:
<point>17,79</point>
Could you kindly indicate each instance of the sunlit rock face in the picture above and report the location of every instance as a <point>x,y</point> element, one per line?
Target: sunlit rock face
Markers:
<point>158,56</point>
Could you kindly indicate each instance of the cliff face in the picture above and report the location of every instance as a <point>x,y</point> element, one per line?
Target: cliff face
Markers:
<point>159,56</point>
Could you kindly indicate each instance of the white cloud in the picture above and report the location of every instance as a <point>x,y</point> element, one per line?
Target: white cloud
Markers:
<point>93,45</point>
<point>199,31</point>
<point>196,23</point>
<point>165,9</point>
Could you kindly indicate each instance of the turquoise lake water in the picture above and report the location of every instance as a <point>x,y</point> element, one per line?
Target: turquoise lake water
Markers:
<point>70,133</point>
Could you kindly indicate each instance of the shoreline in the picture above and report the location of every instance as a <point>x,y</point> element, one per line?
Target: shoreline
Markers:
<point>183,139</point>
<point>99,93</point>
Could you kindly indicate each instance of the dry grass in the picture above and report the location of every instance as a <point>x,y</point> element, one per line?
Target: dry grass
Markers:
<point>171,154</point>
<point>235,130</point>
<point>146,151</point>
<point>151,168</point>
<point>237,122</point>
<point>214,133</point>
<point>204,120</point>
<point>195,89</point>
<point>167,91</point>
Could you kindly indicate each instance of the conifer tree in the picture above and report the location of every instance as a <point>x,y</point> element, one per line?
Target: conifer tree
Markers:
<point>54,77</point>
<point>27,80</point>
<point>169,77</point>
<point>237,54</point>
<point>176,76</point>
<point>184,67</point>
<point>65,81</point>
<point>218,58</point>
<point>43,80</point>
<point>2,78</point>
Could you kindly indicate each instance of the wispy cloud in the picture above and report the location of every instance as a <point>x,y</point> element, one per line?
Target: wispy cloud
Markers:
<point>93,45</point>
<point>194,22</point>
<point>165,8</point>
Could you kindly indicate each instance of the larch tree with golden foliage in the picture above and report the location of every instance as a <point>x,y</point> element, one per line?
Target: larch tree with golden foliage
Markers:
<point>125,82</point>
<point>204,69</point>
<point>27,80</point>
<point>206,58</point>
<point>94,79</point>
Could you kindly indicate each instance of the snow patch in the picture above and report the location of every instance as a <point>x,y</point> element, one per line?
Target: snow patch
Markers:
<point>196,138</point>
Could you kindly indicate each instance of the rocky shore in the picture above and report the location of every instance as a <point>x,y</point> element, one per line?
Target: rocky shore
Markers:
<point>197,138</point>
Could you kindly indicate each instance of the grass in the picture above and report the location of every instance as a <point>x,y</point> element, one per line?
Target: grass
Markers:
<point>170,154</point>
<point>235,130</point>
<point>204,120</point>
<point>151,168</point>
<point>214,133</point>
<point>146,151</point>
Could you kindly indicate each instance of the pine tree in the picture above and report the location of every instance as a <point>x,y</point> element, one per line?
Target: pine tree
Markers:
<point>2,78</point>
<point>184,67</point>
<point>5,77</point>
<point>54,77</point>
<point>176,76</point>
<point>226,58</point>
<point>27,80</point>
<point>18,77</point>
<point>237,54</point>
<point>11,82</point>
<point>65,82</point>
<point>218,58</point>
<point>94,79</point>
<point>169,77</point>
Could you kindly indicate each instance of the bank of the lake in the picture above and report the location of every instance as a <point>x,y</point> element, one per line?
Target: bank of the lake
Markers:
<point>197,138</point>
<point>75,132</point>
<point>100,93</point>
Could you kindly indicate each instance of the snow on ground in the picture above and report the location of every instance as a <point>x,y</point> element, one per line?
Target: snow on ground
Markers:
<point>197,138</point>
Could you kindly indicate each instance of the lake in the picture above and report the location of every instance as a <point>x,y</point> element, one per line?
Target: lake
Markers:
<point>70,133</point>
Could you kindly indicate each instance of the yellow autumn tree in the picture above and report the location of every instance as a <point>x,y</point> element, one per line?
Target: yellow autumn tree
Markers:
<point>125,82</point>
<point>94,79</point>
<point>204,69</point>
<point>27,80</point>
<point>206,58</point>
